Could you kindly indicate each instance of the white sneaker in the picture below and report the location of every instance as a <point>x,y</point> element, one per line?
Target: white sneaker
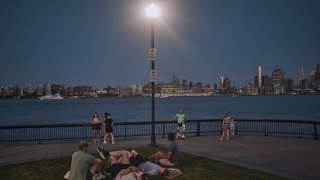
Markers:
<point>101,176</point>
<point>105,142</point>
<point>66,176</point>
<point>112,142</point>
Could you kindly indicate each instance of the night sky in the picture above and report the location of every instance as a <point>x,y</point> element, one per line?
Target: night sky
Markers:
<point>101,43</point>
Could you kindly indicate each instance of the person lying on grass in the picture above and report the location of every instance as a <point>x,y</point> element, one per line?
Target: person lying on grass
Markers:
<point>138,161</point>
<point>120,167</point>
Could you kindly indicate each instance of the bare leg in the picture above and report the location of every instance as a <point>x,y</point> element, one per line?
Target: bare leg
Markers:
<point>112,138</point>
<point>158,155</point>
<point>94,136</point>
<point>98,135</point>
<point>121,156</point>
<point>228,132</point>
<point>95,169</point>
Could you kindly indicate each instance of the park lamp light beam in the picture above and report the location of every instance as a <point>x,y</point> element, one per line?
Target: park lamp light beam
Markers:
<point>152,12</point>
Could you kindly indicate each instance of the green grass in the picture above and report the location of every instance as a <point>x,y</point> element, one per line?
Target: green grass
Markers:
<point>193,168</point>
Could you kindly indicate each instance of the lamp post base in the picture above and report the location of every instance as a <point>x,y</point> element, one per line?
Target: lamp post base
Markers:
<point>153,145</point>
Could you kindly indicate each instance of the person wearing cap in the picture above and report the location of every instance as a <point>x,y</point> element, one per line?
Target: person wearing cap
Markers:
<point>108,130</point>
<point>83,165</point>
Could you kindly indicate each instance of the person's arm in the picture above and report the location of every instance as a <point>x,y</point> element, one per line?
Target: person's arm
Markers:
<point>174,117</point>
<point>169,155</point>
<point>98,161</point>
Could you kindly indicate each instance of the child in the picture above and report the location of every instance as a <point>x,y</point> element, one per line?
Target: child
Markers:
<point>108,130</point>
<point>232,126</point>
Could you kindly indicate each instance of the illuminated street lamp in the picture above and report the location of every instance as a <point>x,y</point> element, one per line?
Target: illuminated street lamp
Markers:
<point>152,12</point>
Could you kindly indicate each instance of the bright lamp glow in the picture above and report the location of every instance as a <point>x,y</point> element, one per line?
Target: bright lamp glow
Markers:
<point>152,11</point>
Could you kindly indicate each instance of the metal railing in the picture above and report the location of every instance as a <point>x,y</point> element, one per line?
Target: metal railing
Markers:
<point>28,134</point>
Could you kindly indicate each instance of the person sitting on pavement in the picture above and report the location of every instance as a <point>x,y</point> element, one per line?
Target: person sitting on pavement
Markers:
<point>120,167</point>
<point>171,157</point>
<point>83,165</point>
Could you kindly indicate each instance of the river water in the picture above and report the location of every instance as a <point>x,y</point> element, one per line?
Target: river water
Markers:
<point>34,111</point>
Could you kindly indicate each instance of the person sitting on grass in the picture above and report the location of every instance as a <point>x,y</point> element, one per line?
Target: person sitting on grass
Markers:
<point>171,157</point>
<point>83,165</point>
<point>120,167</point>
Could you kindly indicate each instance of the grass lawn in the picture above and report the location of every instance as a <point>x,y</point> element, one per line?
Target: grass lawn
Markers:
<point>193,168</point>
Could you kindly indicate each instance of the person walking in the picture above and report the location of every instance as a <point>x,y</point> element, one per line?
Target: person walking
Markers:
<point>225,125</point>
<point>108,130</point>
<point>96,127</point>
<point>181,119</point>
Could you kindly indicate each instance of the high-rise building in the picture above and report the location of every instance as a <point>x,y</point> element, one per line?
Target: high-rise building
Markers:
<point>39,91</point>
<point>221,81</point>
<point>300,74</point>
<point>175,80</point>
<point>277,77</point>
<point>259,77</point>
<point>47,89</point>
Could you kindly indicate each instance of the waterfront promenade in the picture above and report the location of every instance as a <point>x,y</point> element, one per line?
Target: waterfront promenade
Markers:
<point>295,158</point>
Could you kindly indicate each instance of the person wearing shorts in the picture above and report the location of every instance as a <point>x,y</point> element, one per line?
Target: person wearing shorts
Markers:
<point>120,167</point>
<point>181,119</point>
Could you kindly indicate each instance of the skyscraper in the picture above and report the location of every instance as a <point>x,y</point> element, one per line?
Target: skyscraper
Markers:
<point>259,76</point>
<point>221,82</point>
<point>277,77</point>
<point>300,74</point>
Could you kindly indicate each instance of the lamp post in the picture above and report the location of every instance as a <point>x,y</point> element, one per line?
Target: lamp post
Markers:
<point>152,12</point>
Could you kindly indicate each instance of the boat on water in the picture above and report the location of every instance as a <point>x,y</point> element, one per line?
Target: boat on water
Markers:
<point>51,97</point>
<point>161,95</point>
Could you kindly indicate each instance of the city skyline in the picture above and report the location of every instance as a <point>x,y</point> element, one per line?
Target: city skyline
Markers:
<point>105,43</point>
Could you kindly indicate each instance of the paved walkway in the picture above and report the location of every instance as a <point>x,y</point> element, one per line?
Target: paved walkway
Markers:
<point>290,157</point>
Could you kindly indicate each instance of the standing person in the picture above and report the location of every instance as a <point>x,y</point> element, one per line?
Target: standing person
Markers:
<point>181,118</point>
<point>232,126</point>
<point>96,127</point>
<point>171,155</point>
<point>225,125</point>
<point>108,130</point>
<point>83,165</point>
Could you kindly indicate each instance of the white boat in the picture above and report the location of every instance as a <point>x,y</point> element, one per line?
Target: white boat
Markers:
<point>160,95</point>
<point>51,97</point>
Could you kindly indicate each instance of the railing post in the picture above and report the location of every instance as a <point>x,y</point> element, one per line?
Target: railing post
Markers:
<point>198,128</point>
<point>125,132</point>
<point>266,128</point>
<point>84,132</point>
<point>163,130</point>
<point>39,136</point>
<point>235,129</point>
<point>315,131</point>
